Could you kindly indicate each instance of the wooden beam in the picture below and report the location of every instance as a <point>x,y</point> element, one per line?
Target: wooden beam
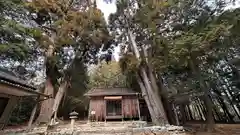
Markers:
<point>113,97</point>
<point>33,113</point>
<point>16,91</point>
<point>8,111</point>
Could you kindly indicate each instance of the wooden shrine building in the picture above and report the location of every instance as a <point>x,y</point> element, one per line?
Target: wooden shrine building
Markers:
<point>11,89</point>
<point>113,103</point>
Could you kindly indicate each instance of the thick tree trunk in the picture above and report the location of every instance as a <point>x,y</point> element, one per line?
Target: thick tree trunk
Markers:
<point>46,105</point>
<point>58,98</point>
<point>155,99</point>
<point>209,107</point>
<point>147,100</point>
<point>161,91</point>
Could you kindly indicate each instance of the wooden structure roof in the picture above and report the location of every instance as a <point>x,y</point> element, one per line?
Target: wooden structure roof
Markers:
<point>10,84</point>
<point>110,92</point>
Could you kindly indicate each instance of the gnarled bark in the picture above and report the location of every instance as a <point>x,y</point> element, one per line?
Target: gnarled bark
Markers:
<point>58,98</point>
<point>46,105</point>
<point>155,99</point>
<point>157,107</point>
<point>146,98</point>
<point>161,91</point>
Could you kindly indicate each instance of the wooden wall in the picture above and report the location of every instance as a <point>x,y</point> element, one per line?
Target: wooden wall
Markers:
<point>129,107</point>
<point>98,105</point>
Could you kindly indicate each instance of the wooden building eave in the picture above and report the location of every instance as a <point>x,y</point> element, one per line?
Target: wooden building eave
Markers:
<point>22,90</point>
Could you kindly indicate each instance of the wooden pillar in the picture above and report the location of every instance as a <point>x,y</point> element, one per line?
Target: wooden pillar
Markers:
<point>33,112</point>
<point>89,111</point>
<point>8,111</point>
<point>32,116</point>
<point>123,105</point>
<point>138,107</point>
<point>105,114</point>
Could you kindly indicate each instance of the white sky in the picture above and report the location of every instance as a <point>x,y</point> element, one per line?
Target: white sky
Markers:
<point>106,8</point>
<point>234,5</point>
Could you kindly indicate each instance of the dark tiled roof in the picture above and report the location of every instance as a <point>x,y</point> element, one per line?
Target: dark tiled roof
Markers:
<point>10,78</point>
<point>110,92</point>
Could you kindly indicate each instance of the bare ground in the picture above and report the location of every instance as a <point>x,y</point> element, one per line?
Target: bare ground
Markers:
<point>121,128</point>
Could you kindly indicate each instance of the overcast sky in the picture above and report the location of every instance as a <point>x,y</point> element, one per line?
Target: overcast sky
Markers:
<point>106,8</point>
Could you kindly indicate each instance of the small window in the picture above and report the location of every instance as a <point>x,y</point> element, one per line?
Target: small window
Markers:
<point>114,107</point>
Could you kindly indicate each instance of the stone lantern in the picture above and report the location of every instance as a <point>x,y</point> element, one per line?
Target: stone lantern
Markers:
<point>73,116</point>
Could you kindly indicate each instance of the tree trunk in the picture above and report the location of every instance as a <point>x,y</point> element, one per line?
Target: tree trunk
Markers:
<point>190,112</point>
<point>46,105</point>
<point>189,118</point>
<point>206,96</point>
<point>182,110</point>
<point>202,105</point>
<point>158,106</point>
<point>58,98</point>
<point>175,114</point>
<point>200,111</point>
<point>153,98</point>
<point>209,107</point>
<point>147,100</point>
<point>223,105</point>
<point>159,91</point>
<point>235,108</point>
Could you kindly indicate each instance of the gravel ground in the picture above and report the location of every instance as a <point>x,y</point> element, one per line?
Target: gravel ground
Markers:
<point>101,128</point>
